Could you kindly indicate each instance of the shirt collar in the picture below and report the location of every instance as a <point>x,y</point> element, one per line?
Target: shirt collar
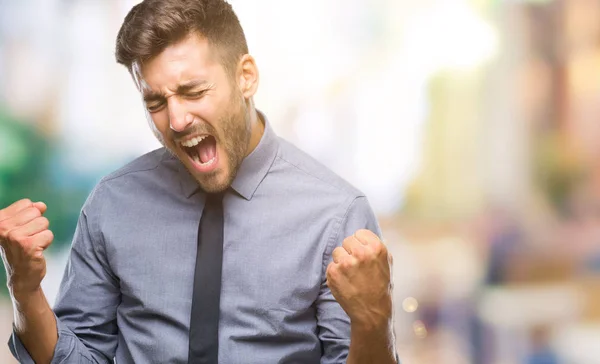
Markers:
<point>252,171</point>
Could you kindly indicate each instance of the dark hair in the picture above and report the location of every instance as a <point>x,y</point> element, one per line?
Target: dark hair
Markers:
<point>153,25</point>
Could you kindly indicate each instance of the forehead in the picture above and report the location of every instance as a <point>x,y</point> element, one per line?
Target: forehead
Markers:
<point>188,59</point>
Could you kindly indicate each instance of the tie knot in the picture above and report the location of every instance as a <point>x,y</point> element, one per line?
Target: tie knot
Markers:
<point>214,198</point>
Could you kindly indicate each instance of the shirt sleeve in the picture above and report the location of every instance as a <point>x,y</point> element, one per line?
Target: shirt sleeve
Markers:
<point>332,322</point>
<point>85,308</point>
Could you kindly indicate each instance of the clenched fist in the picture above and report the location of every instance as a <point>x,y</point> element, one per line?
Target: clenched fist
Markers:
<point>24,235</point>
<point>359,279</point>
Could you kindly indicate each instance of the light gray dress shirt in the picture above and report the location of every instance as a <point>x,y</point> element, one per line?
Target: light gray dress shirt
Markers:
<point>127,289</point>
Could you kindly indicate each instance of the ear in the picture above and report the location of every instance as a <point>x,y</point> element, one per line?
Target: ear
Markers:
<point>248,76</point>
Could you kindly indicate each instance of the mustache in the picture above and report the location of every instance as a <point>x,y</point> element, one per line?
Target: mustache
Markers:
<point>194,129</point>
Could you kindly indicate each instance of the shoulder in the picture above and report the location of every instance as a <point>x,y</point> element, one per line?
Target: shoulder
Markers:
<point>138,177</point>
<point>305,172</point>
<point>147,162</point>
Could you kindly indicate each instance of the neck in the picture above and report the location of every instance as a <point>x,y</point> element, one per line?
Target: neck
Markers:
<point>257,129</point>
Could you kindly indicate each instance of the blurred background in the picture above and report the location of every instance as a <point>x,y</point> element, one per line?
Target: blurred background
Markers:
<point>472,126</point>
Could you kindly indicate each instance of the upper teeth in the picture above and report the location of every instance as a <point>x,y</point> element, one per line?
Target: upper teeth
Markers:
<point>193,142</point>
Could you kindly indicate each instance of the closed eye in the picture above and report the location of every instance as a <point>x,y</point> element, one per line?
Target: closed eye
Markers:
<point>155,106</point>
<point>194,95</point>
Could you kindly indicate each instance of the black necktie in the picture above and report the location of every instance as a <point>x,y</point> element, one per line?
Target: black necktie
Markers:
<point>204,323</point>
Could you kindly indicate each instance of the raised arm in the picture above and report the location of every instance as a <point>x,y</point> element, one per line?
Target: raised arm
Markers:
<point>360,279</point>
<point>24,236</point>
<point>83,323</point>
<point>354,308</point>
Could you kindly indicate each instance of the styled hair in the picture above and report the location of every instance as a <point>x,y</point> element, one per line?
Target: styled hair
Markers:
<point>153,25</point>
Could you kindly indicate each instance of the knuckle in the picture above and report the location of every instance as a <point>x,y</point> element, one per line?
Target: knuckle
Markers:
<point>42,238</point>
<point>367,237</point>
<point>44,222</point>
<point>4,229</point>
<point>363,232</point>
<point>12,236</point>
<point>24,202</point>
<point>49,235</point>
<point>332,272</point>
<point>34,212</point>
<point>347,241</point>
<point>347,264</point>
<point>329,269</point>
<point>360,253</point>
<point>379,248</point>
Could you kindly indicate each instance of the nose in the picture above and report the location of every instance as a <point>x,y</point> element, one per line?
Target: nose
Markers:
<point>179,118</point>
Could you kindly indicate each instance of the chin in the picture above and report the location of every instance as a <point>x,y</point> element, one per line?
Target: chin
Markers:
<point>214,182</point>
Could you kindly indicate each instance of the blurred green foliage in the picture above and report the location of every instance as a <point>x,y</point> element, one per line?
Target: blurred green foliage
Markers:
<point>30,168</point>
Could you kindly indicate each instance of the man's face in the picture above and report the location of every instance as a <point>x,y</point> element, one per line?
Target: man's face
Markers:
<point>198,111</point>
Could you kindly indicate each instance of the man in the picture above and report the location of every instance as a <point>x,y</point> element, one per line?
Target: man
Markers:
<point>227,245</point>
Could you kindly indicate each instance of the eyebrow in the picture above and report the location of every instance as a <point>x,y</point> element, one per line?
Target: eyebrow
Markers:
<point>181,89</point>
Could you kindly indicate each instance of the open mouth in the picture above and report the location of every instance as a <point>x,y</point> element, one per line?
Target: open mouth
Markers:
<point>202,151</point>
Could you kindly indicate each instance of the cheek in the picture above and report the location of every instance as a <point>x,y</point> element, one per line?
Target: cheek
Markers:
<point>161,122</point>
<point>209,109</point>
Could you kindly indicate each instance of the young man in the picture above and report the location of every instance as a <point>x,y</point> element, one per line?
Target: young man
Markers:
<point>227,245</point>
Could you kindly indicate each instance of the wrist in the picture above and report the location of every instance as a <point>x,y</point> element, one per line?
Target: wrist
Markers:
<point>373,318</point>
<point>24,298</point>
<point>372,326</point>
<point>21,286</point>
